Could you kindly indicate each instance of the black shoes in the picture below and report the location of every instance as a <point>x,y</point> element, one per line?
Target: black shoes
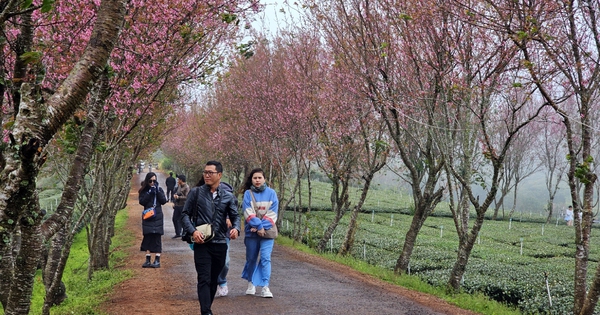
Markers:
<point>147,264</point>
<point>156,263</point>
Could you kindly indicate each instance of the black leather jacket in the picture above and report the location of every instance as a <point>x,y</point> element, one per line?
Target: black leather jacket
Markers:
<point>200,201</point>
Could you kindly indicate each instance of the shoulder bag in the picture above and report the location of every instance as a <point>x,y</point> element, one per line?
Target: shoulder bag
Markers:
<point>206,229</point>
<point>150,212</point>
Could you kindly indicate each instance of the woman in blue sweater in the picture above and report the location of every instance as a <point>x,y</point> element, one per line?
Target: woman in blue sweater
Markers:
<point>260,206</point>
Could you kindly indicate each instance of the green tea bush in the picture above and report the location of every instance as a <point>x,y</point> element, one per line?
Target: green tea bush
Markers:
<point>508,262</point>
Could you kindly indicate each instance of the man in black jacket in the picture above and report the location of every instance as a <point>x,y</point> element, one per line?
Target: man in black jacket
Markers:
<point>211,204</point>
<point>170,183</point>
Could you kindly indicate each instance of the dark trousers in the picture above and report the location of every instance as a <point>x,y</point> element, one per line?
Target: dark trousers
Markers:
<point>169,194</point>
<point>209,259</point>
<point>177,219</point>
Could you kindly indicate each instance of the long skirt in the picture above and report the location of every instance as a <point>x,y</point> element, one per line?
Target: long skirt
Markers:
<point>152,243</point>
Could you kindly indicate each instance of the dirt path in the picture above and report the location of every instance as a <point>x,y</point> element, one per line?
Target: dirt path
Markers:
<point>301,283</point>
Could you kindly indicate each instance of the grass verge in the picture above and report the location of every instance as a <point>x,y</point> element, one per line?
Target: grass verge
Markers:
<point>85,297</point>
<point>477,303</point>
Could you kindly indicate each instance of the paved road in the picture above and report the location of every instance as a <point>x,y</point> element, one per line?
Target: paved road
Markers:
<point>301,283</point>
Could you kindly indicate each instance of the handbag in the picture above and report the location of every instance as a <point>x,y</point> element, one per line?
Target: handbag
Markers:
<point>270,233</point>
<point>150,212</point>
<point>206,229</point>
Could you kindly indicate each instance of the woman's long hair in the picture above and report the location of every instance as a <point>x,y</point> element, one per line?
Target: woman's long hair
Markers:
<point>145,182</point>
<point>248,182</point>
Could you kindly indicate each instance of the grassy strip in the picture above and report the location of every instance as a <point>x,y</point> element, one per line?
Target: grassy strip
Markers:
<point>477,303</point>
<point>85,297</point>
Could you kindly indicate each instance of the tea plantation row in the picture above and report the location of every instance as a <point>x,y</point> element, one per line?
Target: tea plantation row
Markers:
<point>509,262</point>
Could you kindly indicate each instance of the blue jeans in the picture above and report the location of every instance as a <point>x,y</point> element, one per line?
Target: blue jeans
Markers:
<point>258,272</point>
<point>209,260</point>
<point>222,280</point>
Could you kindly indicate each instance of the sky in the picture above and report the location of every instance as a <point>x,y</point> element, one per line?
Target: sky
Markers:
<point>270,17</point>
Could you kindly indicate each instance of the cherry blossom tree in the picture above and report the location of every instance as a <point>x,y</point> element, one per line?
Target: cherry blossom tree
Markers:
<point>553,156</point>
<point>368,38</point>
<point>521,162</point>
<point>36,119</point>
<point>559,44</point>
<point>155,54</point>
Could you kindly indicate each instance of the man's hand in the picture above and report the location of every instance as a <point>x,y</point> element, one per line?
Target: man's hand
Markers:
<point>233,234</point>
<point>198,237</point>
<point>261,232</point>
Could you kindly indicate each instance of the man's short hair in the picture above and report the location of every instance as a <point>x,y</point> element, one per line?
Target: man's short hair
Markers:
<point>181,177</point>
<point>217,165</point>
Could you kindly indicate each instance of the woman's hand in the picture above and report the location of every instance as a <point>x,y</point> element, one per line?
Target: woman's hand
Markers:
<point>261,232</point>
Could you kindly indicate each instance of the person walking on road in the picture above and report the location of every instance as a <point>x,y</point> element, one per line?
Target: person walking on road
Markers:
<point>151,195</point>
<point>222,289</point>
<point>179,199</point>
<point>210,204</point>
<point>170,183</point>
<point>260,206</point>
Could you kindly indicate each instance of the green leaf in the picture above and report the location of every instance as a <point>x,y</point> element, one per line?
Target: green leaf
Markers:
<point>47,5</point>
<point>31,57</point>
<point>405,17</point>
<point>228,17</point>
<point>26,4</point>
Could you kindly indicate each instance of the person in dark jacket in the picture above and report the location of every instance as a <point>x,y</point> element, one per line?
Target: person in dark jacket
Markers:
<point>210,203</point>
<point>151,195</point>
<point>180,197</point>
<point>170,182</point>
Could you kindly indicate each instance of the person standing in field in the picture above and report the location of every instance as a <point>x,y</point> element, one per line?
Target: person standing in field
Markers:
<point>260,206</point>
<point>569,216</point>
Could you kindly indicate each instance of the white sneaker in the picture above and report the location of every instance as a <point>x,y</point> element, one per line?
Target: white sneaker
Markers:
<point>266,293</point>
<point>222,290</point>
<point>251,289</point>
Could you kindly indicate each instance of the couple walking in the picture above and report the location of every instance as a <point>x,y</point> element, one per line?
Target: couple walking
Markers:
<point>212,204</point>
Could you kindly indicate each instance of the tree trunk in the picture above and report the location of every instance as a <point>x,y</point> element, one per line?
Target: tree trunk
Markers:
<point>111,188</point>
<point>339,213</point>
<point>19,297</point>
<point>340,203</point>
<point>409,243</point>
<point>60,245</point>
<point>99,240</point>
<point>53,270</point>
<point>423,208</point>
<point>35,124</point>
<point>584,304</point>
<point>466,243</point>
<point>550,209</point>
<point>353,224</point>
<point>346,247</point>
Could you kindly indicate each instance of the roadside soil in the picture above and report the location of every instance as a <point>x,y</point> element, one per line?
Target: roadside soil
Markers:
<point>301,283</point>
